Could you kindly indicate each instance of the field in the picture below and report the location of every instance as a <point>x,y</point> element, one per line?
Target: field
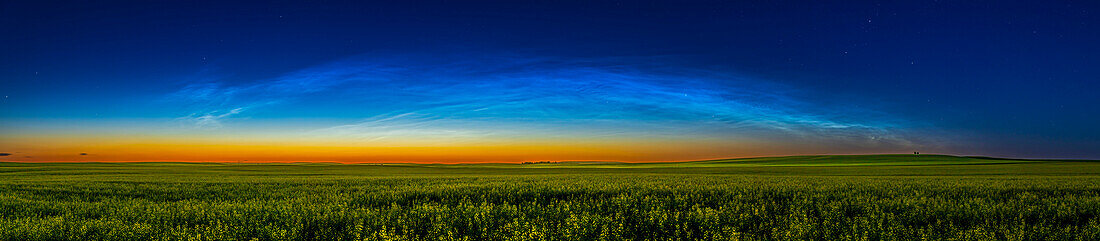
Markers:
<point>871,197</point>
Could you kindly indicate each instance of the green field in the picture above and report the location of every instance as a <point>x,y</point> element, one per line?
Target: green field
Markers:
<point>872,197</point>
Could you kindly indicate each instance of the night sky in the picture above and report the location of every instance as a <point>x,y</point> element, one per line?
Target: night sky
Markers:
<point>510,81</point>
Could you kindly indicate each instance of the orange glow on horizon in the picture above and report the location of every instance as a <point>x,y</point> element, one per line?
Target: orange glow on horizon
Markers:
<point>153,148</point>
<point>150,149</point>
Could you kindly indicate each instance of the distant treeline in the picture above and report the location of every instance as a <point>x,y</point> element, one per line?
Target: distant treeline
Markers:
<point>540,162</point>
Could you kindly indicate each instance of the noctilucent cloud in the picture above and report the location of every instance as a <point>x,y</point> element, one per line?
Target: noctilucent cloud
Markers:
<point>524,81</point>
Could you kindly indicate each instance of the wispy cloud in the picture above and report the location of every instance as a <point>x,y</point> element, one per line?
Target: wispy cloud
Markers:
<point>213,101</point>
<point>452,97</point>
<point>409,127</point>
<point>210,119</point>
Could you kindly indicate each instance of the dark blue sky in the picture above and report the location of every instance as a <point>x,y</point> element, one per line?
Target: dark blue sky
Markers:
<point>999,78</point>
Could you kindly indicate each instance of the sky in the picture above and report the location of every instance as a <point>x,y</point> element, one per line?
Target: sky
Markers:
<point>512,81</point>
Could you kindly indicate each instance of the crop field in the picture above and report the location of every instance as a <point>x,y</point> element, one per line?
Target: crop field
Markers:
<point>870,197</point>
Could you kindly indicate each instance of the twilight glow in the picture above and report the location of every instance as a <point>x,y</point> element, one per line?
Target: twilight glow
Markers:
<point>413,83</point>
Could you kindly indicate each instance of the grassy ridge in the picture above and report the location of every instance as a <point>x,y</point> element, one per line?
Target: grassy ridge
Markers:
<point>880,197</point>
<point>864,160</point>
<point>817,160</point>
